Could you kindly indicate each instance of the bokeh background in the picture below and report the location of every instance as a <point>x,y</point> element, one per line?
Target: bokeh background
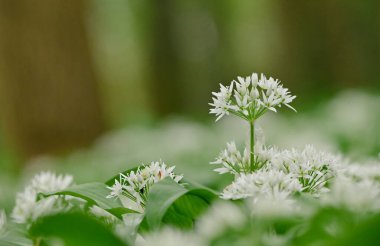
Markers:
<point>93,87</point>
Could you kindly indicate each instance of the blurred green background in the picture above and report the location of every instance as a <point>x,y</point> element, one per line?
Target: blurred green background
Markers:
<point>93,87</point>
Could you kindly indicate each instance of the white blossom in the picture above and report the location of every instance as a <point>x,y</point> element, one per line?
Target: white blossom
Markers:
<point>128,228</point>
<point>232,160</point>
<point>29,209</point>
<point>357,196</point>
<point>277,203</point>
<point>312,168</point>
<point>132,189</point>
<point>261,183</point>
<point>220,217</point>
<point>103,214</point>
<point>48,182</point>
<point>366,171</point>
<point>250,97</point>
<point>170,237</point>
<point>3,222</point>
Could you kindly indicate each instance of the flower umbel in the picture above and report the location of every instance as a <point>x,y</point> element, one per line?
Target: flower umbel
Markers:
<point>250,97</point>
<point>132,189</point>
<point>232,160</point>
<point>29,209</point>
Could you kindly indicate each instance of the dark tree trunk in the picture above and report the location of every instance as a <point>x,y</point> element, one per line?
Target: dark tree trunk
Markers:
<point>48,88</point>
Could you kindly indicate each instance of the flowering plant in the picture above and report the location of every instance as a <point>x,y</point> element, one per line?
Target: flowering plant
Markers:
<point>277,196</point>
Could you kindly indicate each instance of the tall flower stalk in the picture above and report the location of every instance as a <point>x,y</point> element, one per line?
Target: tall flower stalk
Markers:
<point>252,145</point>
<point>249,98</point>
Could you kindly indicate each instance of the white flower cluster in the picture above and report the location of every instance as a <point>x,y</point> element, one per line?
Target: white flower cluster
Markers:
<point>28,208</point>
<point>359,196</point>
<point>357,188</point>
<point>3,222</point>
<point>262,183</point>
<point>366,171</point>
<point>170,237</point>
<point>132,189</point>
<point>232,160</point>
<point>219,218</point>
<point>312,168</point>
<point>250,97</point>
<point>290,171</point>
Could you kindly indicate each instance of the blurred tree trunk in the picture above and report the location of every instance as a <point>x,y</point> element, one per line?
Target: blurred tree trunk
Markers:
<point>165,84</point>
<point>48,86</point>
<point>322,44</point>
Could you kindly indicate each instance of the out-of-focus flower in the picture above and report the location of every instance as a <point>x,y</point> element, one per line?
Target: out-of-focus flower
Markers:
<point>219,218</point>
<point>277,203</point>
<point>29,209</point>
<point>358,196</point>
<point>170,237</point>
<point>262,183</point>
<point>3,221</point>
<point>365,171</point>
<point>103,215</point>
<point>250,97</point>
<point>132,189</point>
<point>48,182</point>
<point>128,228</point>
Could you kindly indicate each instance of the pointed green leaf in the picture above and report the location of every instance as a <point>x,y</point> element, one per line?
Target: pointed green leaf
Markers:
<point>95,194</point>
<point>175,204</point>
<point>74,229</point>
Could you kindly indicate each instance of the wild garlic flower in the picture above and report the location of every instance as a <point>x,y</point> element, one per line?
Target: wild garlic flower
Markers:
<point>232,160</point>
<point>127,230</point>
<point>219,218</point>
<point>250,97</point>
<point>170,237</point>
<point>133,189</point>
<point>3,222</point>
<point>49,182</point>
<point>312,168</point>
<point>278,203</point>
<point>359,196</point>
<point>28,209</point>
<point>366,171</point>
<point>261,183</point>
<point>103,215</point>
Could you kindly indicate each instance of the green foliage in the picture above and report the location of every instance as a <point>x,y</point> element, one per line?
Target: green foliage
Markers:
<point>174,204</point>
<point>95,194</point>
<point>74,229</point>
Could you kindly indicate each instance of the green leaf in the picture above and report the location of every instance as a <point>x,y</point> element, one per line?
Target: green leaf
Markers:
<point>119,212</point>
<point>75,229</point>
<point>95,194</point>
<point>171,203</point>
<point>365,233</point>
<point>111,181</point>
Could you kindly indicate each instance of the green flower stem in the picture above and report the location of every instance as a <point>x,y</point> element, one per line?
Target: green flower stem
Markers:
<point>252,143</point>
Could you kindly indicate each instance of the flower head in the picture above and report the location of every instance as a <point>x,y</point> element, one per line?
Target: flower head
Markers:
<point>3,222</point>
<point>262,183</point>
<point>312,168</point>
<point>170,237</point>
<point>132,189</point>
<point>356,195</point>
<point>219,218</point>
<point>250,97</point>
<point>29,209</point>
<point>232,160</point>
